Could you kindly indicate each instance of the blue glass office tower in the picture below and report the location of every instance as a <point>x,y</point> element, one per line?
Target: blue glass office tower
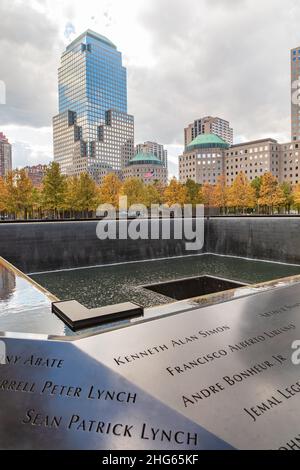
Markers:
<point>295,93</point>
<point>92,131</point>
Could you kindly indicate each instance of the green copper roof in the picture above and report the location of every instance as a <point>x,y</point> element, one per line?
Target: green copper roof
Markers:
<point>207,141</point>
<point>145,158</point>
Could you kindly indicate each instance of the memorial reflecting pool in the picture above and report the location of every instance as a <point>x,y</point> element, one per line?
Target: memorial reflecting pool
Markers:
<point>105,285</point>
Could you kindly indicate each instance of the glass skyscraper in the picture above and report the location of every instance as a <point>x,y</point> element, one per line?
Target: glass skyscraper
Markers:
<point>295,91</point>
<point>5,156</point>
<point>92,131</point>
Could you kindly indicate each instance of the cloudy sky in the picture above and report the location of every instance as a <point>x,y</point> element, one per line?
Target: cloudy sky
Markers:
<point>185,59</point>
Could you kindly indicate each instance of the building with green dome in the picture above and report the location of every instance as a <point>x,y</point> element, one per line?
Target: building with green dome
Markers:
<point>205,141</point>
<point>203,159</point>
<point>208,125</point>
<point>208,157</point>
<point>147,167</point>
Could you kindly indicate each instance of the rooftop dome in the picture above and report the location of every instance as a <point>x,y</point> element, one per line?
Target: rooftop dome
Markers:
<point>144,159</point>
<point>207,141</point>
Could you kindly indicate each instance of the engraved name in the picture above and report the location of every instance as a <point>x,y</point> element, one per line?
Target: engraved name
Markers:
<point>34,361</point>
<point>52,389</point>
<point>230,381</point>
<point>276,399</point>
<point>173,343</point>
<point>118,429</point>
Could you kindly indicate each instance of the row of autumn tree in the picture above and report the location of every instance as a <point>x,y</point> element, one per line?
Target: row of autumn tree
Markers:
<point>79,196</point>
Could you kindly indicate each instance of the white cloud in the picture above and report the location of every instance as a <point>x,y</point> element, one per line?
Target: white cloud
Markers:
<point>184,60</point>
<point>30,145</point>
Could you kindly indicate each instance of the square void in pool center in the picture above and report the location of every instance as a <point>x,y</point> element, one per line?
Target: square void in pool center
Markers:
<point>193,287</point>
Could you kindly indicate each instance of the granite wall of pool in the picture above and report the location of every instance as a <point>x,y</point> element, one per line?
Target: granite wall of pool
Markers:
<point>47,246</point>
<point>265,238</point>
<point>38,246</point>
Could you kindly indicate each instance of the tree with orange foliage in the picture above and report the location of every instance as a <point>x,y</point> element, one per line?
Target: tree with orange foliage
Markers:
<point>3,196</point>
<point>109,190</point>
<point>206,194</point>
<point>296,197</point>
<point>175,193</point>
<point>241,194</point>
<point>271,194</point>
<point>220,194</point>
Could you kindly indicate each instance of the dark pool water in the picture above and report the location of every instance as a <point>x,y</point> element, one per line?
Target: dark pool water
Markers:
<point>106,285</point>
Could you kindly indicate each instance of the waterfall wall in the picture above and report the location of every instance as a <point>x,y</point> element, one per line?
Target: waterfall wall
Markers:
<point>46,246</point>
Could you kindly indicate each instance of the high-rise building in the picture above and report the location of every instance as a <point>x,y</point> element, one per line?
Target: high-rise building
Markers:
<point>208,157</point>
<point>92,131</point>
<point>5,155</point>
<point>36,173</point>
<point>253,158</point>
<point>289,165</point>
<point>208,125</point>
<point>155,149</point>
<point>203,159</point>
<point>295,92</point>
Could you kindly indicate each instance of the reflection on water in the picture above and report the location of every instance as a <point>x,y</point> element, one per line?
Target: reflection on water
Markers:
<point>26,308</point>
<point>106,285</point>
<point>23,307</point>
<point>7,283</point>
